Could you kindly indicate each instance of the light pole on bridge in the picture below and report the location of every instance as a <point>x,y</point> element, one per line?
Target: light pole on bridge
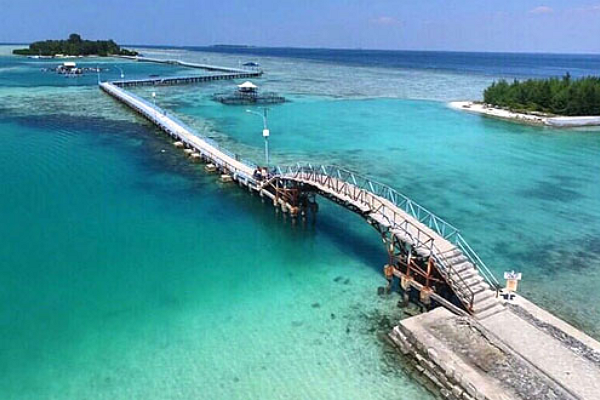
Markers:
<point>265,131</point>
<point>122,73</point>
<point>154,102</point>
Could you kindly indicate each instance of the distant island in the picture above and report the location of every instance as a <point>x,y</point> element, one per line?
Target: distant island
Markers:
<point>566,96</point>
<point>554,101</point>
<point>74,46</point>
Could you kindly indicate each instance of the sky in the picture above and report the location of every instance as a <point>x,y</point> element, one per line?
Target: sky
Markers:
<point>552,26</point>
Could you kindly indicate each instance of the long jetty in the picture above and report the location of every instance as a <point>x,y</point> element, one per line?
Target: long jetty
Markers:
<point>180,80</point>
<point>207,67</point>
<point>477,341</point>
<point>242,170</point>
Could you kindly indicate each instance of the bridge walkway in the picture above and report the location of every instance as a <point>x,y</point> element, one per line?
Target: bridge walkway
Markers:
<point>208,67</point>
<point>211,151</point>
<point>410,224</point>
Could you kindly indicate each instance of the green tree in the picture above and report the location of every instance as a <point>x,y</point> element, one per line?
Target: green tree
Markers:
<point>76,46</point>
<point>565,96</point>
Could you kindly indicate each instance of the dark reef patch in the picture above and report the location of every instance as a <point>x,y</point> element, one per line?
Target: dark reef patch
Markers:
<point>577,254</point>
<point>552,190</point>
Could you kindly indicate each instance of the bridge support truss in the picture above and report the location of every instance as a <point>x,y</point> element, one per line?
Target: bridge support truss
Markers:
<point>418,277</point>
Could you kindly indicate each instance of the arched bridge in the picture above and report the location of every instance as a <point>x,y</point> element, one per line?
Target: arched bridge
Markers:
<point>426,252</point>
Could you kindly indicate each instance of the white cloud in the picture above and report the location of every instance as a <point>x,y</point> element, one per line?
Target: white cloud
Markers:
<point>385,20</point>
<point>542,10</point>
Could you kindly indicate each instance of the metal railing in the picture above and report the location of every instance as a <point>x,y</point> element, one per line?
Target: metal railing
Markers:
<point>420,213</point>
<point>208,67</point>
<point>176,80</point>
<point>160,111</point>
<point>353,182</point>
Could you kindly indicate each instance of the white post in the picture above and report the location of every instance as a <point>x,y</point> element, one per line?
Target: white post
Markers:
<point>154,101</point>
<point>265,132</point>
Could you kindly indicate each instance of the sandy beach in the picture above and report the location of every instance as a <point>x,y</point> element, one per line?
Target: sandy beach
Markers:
<point>563,122</point>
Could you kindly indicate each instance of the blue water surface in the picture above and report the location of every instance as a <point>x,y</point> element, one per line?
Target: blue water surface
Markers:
<point>128,272</point>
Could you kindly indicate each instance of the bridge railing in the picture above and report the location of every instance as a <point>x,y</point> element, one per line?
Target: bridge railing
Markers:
<point>399,200</point>
<point>158,110</point>
<point>420,213</point>
<point>194,65</point>
<point>483,269</point>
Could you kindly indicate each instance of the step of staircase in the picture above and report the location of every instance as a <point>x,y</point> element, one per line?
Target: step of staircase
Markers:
<point>465,265</point>
<point>451,253</point>
<point>497,309</point>
<point>484,294</point>
<point>486,304</point>
<point>466,280</point>
<point>473,281</point>
<point>456,259</point>
<point>470,274</point>
<point>480,287</point>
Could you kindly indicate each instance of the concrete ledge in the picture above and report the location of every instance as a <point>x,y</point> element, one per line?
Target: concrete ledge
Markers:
<point>458,357</point>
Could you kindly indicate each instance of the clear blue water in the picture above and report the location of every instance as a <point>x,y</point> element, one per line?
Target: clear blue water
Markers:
<point>129,273</point>
<point>494,64</point>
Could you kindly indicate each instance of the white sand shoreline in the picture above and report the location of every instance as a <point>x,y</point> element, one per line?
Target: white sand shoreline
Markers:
<point>562,122</point>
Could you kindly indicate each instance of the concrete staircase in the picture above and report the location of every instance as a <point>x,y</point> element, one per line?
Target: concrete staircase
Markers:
<point>466,278</point>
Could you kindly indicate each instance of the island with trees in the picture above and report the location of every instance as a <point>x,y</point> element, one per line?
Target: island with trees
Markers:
<point>74,46</point>
<point>554,101</point>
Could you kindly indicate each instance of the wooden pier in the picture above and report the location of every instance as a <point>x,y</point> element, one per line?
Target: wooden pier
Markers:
<point>478,345</point>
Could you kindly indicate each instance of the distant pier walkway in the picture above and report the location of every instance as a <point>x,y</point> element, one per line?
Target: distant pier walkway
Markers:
<point>478,345</point>
<point>180,80</point>
<point>207,67</point>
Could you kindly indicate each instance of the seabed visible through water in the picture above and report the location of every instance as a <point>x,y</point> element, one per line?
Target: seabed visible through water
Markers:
<point>130,273</point>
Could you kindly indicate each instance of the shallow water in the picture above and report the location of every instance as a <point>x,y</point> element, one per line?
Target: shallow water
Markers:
<point>129,273</point>
<point>526,197</point>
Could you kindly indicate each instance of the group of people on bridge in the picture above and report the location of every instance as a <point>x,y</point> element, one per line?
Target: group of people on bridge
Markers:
<point>262,174</point>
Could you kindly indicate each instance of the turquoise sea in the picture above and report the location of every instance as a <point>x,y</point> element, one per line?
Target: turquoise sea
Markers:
<point>128,273</point>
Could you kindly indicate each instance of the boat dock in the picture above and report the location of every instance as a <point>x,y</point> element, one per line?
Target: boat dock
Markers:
<point>474,342</point>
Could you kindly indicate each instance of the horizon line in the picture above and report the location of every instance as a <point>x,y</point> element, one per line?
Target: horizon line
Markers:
<point>249,46</point>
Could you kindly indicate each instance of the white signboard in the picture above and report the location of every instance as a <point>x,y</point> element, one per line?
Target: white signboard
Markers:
<point>512,275</point>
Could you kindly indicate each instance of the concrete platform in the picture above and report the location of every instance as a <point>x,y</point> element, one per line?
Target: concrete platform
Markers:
<point>521,353</point>
<point>563,353</point>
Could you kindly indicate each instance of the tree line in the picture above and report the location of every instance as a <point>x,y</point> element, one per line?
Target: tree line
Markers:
<point>74,46</point>
<point>560,96</point>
